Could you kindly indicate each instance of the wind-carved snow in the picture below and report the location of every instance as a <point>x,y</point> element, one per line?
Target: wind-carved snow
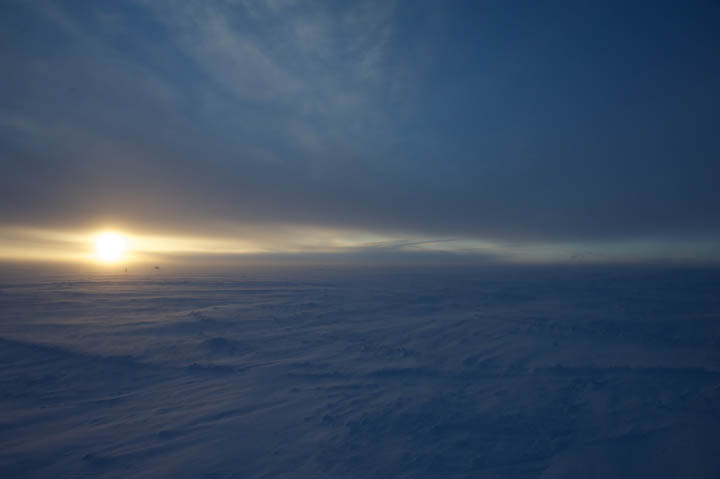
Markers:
<point>323,373</point>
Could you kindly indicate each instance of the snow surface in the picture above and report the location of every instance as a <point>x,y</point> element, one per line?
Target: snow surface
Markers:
<point>516,373</point>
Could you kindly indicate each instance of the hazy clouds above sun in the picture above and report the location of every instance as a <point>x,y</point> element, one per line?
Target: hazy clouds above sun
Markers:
<point>561,127</point>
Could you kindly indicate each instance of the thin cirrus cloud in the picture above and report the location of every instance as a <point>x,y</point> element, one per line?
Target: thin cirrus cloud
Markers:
<point>578,130</point>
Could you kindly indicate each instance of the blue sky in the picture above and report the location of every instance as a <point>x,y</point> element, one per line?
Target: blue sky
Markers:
<point>577,129</point>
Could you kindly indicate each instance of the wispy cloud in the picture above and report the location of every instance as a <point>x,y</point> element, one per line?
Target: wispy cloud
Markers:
<point>411,122</point>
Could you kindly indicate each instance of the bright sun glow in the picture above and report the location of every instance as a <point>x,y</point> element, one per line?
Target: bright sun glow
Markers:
<point>110,247</point>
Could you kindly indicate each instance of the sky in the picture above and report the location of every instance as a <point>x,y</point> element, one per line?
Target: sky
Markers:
<point>516,131</point>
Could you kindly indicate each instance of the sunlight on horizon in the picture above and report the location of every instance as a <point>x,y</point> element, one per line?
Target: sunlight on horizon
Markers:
<point>110,247</point>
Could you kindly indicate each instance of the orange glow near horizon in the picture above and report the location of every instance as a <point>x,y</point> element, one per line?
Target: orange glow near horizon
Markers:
<point>109,246</point>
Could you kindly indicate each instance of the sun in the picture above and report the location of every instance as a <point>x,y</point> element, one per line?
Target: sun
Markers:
<point>110,247</point>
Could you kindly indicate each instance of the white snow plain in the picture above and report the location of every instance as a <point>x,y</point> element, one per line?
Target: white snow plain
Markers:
<point>360,373</point>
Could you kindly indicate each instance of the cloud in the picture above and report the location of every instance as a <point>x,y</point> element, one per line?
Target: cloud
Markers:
<point>408,120</point>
